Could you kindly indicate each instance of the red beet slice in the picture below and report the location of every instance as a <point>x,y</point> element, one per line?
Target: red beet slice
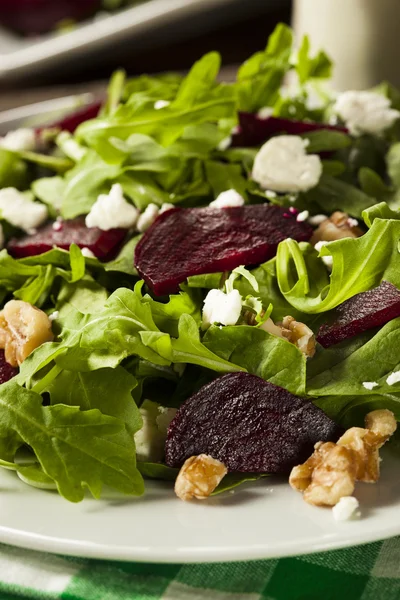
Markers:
<point>249,424</point>
<point>360,313</point>
<point>7,372</point>
<point>72,120</point>
<point>254,130</point>
<point>193,241</point>
<point>103,244</point>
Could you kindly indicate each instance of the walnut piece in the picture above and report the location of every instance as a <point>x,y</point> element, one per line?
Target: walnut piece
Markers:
<point>198,477</point>
<point>23,327</point>
<point>339,225</point>
<point>332,470</point>
<point>295,332</point>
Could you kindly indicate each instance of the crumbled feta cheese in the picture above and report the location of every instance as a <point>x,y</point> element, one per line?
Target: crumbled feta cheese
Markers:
<point>150,439</point>
<point>166,206</point>
<point>235,130</point>
<point>18,210</point>
<point>346,508</point>
<point>164,418</point>
<point>393,378</point>
<point>227,198</point>
<point>87,253</point>
<point>283,165</point>
<point>370,385</point>
<point>57,226</point>
<point>317,220</point>
<point>161,104</point>
<point>302,216</point>
<point>111,211</point>
<point>265,112</point>
<point>327,260</point>
<point>20,140</point>
<point>222,308</point>
<point>147,218</point>
<point>365,112</point>
<point>54,315</point>
<point>352,222</point>
<point>225,143</point>
<point>270,194</point>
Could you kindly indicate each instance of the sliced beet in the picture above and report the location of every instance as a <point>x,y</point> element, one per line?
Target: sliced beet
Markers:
<point>193,241</point>
<point>71,121</point>
<point>254,130</point>
<point>103,244</point>
<point>7,372</point>
<point>360,313</point>
<point>249,424</point>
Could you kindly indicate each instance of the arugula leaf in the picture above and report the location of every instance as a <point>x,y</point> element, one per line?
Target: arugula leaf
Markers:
<point>319,67</point>
<point>325,140</point>
<point>260,353</point>
<point>225,176</point>
<point>14,172</point>
<point>358,265</point>
<point>75,448</point>
<point>95,389</point>
<point>334,194</point>
<point>157,471</point>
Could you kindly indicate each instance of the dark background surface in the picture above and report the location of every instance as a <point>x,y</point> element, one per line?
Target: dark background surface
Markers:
<point>235,41</point>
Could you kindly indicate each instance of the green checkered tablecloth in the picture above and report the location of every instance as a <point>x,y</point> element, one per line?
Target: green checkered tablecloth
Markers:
<point>370,572</point>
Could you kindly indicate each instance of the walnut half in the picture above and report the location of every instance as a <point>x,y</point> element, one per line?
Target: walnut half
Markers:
<point>331,472</point>
<point>198,477</point>
<point>23,328</point>
<point>295,332</point>
<point>338,226</point>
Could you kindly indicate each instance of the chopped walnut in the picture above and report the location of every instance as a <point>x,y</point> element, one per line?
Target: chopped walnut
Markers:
<point>331,472</point>
<point>198,477</point>
<point>295,332</point>
<point>339,225</point>
<point>23,327</point>
<point>300,335</point>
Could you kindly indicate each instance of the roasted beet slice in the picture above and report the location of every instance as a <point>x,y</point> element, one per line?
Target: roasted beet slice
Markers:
<point>249,424</point>
<point>193,241</point>
<point>254,130</point>
<point>360,313</point>
<point>71,121</point>
<point>7,372</point>
<point>103,244</point>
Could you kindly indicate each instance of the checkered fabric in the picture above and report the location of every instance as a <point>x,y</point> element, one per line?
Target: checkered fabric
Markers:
<point>370,572</point>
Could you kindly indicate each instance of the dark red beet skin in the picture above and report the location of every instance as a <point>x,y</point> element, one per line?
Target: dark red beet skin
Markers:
<point>254,130</point>
<point>249,424</point>
<point>360,313</point>
<point>192,241</point>
<point>7,372</point>
<point>103,244</point>
<point>72,120</point>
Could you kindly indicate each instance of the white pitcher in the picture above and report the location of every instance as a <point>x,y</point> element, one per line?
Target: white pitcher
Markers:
<point>362,37</point>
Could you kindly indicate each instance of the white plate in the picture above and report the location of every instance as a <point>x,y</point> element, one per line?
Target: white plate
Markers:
<point>153,21</point>
<point>259,520</point>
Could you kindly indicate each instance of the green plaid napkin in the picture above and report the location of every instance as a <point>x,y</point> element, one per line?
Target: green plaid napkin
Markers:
<point>370,572</point>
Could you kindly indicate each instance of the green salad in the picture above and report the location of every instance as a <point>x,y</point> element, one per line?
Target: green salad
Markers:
<point>95,362</point>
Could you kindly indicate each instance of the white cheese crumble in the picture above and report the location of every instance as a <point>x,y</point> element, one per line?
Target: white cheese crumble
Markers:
<point>20,211</point>
<point>227,199</point>
<point>87,253</point>
<point>222,308</point>
<point>370,385</point>
<point>20,140</point>
<point>270,194</point>
<point>327,260</point>
<point>365,112</point>
<point>265,112</point>
<point>54,315</point>
<point>282,165</point>
<point>147,218</point>
<point>302,216</point>
<point>166,206</point>
<point>57,225</point>
<point>161,104</point>
<point>150,439</point>
<point>225,143</point>
<point>352,222</point>
<point>393,378</point>
<point>111,211</point>
<point>346,508</point>
<point>317,220</point>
